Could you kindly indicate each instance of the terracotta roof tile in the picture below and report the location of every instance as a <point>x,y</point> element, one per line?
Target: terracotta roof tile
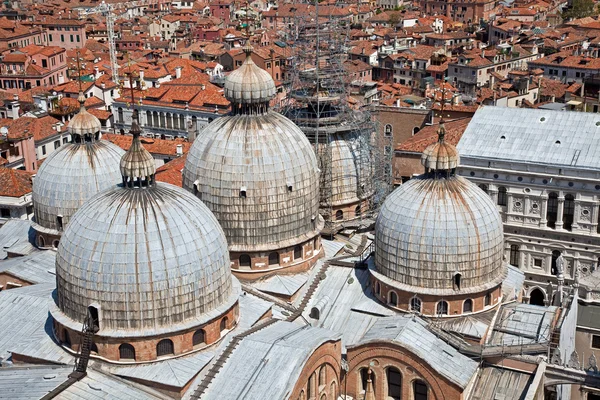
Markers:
<point>171,171</point>
<point>429,135</point>
<point>14,182</point>
<point>154,146</point>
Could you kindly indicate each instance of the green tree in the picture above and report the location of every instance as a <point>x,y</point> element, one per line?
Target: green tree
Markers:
<point>394,19</point>
<point>580,9</point>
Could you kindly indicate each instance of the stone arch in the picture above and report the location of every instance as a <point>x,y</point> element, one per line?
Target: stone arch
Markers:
<point>273,258</point>
<point>165,348</point>
<point>126,352</point>
<point>245,261</point>
<point>467,306</point>
<point>537,296</point>
<point>199,338</point>
<point>224,324</point>
<point>393,298</point>
<point>415,304</point>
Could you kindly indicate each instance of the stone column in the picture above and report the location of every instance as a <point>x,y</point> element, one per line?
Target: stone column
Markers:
<point>543,210</point>
<point>576,214</point>
<point>559,213</point>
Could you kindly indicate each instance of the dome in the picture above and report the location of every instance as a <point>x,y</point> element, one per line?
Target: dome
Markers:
<point>73,174</point>
<point>84,123</point>
<point>429,230</point>
<point>137,163</point>
<point>440,155</point>
<point>258,174</point>
<point>150,257</point>
<point>249,84</point>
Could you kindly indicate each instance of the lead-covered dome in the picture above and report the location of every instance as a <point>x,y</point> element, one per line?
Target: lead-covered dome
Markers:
<point>151,258</point>
<point>440,233</point>
<point>70,176</point>
<point>249,84</point>
<point>259,176</point>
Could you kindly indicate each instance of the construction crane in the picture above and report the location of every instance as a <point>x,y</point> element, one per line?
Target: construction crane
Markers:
<point>105,10</point>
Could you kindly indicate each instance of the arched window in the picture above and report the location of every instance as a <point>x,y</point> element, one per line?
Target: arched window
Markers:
<point>169,121</point>
<point>415,304</point>
<point>274,258</point>
<point>552,210</point>
<point>364,377</point>
<point>388,130</point>
<point>339,215</point>
<point>94,318</point>
<point>357,211</point>
<point>488,299</point>
<point>126,352</point>
<point>377,288</point>
<point>198,338</point>
<point>415,130</point>
<point>568,212</point>
<point>456,281</point>
<point>393,299</point>
<point>297,252</point>
<point>442,308</point>
<point>120,114</point>
<point>312,389</point>
<point>165,348</point>
<point>224,323</point>
<point>394,383</point>
<point>245,261</point>
<point>468,306</point>
<point>59,223</point>
<point>322,376</point>
<point>420,390</point>
<point>333,390</point>
<point>555,255</point>
<point>514,255</point>
<point>94,348</point>
<point>155,118</point>
<point>148,118</point>
<point>484,187</point>
<point>41,241</point>
<point>67,341</point>
<point>537,297</point>
<point>502,197</point>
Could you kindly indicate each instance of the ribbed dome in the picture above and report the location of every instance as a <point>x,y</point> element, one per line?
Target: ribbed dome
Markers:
<point>137,161</point>
<point>84,123</point>
<point>249,84</point>
<point>430,229</point>
<point>440,156</point>
<point>69,177</point>
<point>258,174</point>
<point>152,259</point>
<point>350,168</point>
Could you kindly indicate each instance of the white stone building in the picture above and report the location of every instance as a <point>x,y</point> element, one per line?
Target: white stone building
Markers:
<point>542,169</point>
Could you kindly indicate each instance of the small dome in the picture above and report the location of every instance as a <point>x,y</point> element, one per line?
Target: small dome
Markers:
<point>259,175</point>
<point>69,177</point>
<point>440,156</point>
<point>429,230</point>
<point>149,258</point>
<point>249,84</point>
<point>137,165</point>
<point>84,123</point>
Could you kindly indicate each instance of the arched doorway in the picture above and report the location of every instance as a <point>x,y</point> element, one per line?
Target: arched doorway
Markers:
<point>537,297</point>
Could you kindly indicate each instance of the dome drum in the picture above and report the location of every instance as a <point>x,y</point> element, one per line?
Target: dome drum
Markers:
<point>294,259</point>
<point>146,348</point>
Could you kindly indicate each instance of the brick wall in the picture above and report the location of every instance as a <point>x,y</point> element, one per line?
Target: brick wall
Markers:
<point>324,365</point>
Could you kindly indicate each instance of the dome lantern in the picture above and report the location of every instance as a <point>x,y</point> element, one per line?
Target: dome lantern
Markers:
<point>440,159</point>
<point>249,88</point>
<point>137,165</point>
<point>84,127</point>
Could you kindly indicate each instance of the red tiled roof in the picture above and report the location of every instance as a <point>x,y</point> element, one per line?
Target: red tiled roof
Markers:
<point>429,135</point>
<point>154,146</point>
<point>14,183</point>
<point>171,171</point>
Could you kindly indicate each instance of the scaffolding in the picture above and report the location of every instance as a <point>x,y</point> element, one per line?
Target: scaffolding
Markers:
<point>354,157</point>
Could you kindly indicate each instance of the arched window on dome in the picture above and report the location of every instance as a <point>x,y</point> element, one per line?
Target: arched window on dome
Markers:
<point>199,338</point>
<point>126,352</point>
<point>377,288</point>
<point>245,261</point>
<point>224,323</point>
<point>393,299</point>
<point>388,130</point>
<point>322,375</point>
<point>274,258</point>
<point>415,304</point>
<point>94,348</point>
<point>41,241</point>
<point>502,196</point>
<point>420,390</point>
<point>339,215</point>
<point>394,383</point>
<point>488,299</point>
<point>297,252</point>
<point>357,211</point>
<point>468,306</point>
<point>165,348</point>
<point>442,308</point>
<point>59,223</point>
<point>456,281</point>
<point>94,317</point>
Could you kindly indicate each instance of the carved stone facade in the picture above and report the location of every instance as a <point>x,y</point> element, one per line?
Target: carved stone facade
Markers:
<point>547,212</point>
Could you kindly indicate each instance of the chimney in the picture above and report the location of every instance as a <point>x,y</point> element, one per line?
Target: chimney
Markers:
<point>141,74</point>
<point>203,87</point>
<point>96,72</point>
<point>177,72</point>
<point>179,149</point>
<point>15,97</point>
